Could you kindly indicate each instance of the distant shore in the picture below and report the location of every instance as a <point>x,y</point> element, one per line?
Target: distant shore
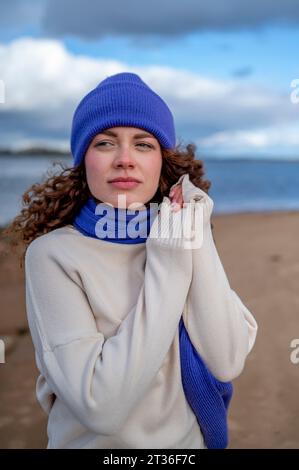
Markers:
<point>38,151</point>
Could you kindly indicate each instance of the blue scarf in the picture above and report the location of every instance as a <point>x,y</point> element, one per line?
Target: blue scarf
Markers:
<point>208,397</point>
<point>109,223</point>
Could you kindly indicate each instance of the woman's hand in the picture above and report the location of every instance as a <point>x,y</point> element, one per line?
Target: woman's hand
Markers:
<point>176,198</point>
<point>184,191</point>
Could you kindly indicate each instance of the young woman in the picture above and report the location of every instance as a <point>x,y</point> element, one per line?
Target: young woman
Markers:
<point>137,332</point>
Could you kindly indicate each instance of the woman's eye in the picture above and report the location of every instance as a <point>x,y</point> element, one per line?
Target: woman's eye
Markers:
<point>147,145</point>
<point>104,142</point>
<point>101,143</point>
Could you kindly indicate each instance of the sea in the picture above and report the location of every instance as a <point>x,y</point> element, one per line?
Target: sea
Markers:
<point>237,185</point>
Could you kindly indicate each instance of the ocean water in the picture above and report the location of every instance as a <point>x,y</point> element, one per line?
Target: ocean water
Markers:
<point>237,185</point>
<point>253,185</point>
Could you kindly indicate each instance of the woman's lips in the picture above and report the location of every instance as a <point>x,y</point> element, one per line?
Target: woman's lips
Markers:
<point>124,184</point>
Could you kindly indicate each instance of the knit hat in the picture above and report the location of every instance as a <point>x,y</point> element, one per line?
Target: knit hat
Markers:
<point>122,99</point>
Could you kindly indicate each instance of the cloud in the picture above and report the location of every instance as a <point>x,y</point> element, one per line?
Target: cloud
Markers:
<point>95,19</point>
<point>42,74</point>
<point>168,18</point>
<point>44,83</point>
<point>275,141</point>
<point>15,14</point>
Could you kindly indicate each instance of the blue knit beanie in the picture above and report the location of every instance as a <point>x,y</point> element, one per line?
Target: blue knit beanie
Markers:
<point>122,99</point>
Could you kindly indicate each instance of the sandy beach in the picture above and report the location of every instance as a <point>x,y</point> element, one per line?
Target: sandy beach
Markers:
<point>261,258</point>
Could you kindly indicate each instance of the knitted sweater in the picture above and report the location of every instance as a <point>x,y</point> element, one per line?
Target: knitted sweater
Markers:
<point>104,320</point>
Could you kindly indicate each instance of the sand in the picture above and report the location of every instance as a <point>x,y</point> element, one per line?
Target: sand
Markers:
<point>261,258</point>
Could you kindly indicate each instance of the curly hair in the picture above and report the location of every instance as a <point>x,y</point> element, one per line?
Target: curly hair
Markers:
<point>55,202</point>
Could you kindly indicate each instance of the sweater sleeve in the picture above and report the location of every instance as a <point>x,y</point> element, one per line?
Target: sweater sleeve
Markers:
<point>220,326</point>
<point>101,380</point>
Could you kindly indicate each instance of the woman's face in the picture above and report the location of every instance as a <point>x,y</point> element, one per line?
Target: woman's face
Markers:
<point>127,152</point>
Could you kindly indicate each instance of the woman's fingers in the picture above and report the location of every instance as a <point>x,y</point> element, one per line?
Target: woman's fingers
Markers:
<point>176,197</point>
<point>175,192</point>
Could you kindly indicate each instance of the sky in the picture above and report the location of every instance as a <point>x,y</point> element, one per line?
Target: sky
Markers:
<point>228,70</point>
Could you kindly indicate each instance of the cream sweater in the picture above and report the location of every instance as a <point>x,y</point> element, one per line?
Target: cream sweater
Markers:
<point>104,323</point>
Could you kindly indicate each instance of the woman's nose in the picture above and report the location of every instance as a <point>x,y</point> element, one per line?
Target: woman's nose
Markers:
<point>124,157</point>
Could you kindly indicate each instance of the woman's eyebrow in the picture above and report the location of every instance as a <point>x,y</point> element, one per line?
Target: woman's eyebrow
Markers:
<point>136,136</point>
<point>143,134</point>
